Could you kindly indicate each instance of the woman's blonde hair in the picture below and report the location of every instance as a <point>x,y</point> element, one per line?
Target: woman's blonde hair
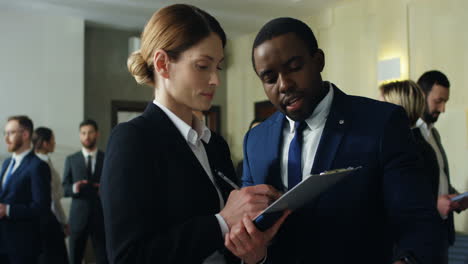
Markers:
<point>174,29</point>
<point>407,94</point>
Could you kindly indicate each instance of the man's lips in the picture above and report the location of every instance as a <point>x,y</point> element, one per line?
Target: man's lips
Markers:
<point>293,103</point>
<point>209,95</point>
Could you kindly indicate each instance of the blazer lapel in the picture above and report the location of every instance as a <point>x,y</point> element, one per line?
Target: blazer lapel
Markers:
<point>4,167</point>
<point>335,127</point>
<point>98,168</point>
<point>442,151</point>
<point>160,121</point>
<point>18,171</point>
<point>217,165</point>
<point>271,151</point>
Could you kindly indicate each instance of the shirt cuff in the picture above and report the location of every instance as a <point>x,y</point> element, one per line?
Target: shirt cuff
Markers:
<point>75,188</point>
<point>7,210</point>
<point>444,217</point>
<point>222,224</point>
<point>261,261</point>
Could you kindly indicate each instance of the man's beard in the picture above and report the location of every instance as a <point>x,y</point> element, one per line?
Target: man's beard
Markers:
<point>15,145</point>
<point>90,145</point>
<point>430,118</point>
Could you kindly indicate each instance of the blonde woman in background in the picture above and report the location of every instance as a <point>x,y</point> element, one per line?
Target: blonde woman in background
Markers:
<point>410,96</point>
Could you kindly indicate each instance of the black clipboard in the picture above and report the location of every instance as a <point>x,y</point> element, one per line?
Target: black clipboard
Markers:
<point>299,195</point>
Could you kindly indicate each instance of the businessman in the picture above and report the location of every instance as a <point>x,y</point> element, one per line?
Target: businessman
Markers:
<point>436,86</point>
<point>383,213</point>
<point>81,182</point>
<point>24,196</point>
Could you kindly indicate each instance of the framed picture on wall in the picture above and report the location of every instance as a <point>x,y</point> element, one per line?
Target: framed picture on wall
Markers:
<point>264,109</point>
<point>213,118</point>
<point>123,111</point>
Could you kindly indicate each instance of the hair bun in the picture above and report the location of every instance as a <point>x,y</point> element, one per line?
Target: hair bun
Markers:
<point>139,69</point>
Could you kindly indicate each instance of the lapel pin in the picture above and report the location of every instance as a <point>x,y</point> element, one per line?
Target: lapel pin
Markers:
<point>341,122</point>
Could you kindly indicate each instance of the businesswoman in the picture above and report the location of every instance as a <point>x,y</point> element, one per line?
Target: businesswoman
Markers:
<point>54,249</point>
<point>163,198</point>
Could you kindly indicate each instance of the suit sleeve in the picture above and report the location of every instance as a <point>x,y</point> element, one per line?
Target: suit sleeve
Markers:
<point>246,174</point>
<point>415,223</point>
<point>41,200</point>
<point>136,232</point>
<point>68,179</point>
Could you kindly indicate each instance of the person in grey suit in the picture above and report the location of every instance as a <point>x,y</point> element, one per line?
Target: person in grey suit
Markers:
<point>436,88</point>
<point>81,179</point>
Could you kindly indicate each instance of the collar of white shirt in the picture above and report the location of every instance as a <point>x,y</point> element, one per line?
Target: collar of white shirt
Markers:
<point>19,157</point>
<point>425,128</point>
<point>320,114</point>
<point>87,153</point>
<point>194,134</point>
<point>43,157</point>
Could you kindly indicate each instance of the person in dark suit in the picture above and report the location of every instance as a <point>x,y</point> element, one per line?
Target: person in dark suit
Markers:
<point>54,248</point>
<point>81,181</point>
<point>240,164</point>
<point>24,196</point>
<point>163,194</point>
<point>410,96</point>
<point>317,128</point>
<point>435,86</point>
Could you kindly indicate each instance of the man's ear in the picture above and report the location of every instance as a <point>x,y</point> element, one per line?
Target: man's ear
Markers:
<point>161,63</point>
<point>319,56</point>
<point>26,135</point>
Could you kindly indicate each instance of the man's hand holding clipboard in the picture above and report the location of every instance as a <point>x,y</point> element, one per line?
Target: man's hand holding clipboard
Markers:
<point>304,192</point>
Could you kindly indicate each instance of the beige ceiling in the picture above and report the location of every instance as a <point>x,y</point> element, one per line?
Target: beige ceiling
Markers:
<point>236,16</point>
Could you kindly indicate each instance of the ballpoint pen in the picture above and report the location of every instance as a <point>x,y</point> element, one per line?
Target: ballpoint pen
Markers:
<point>226,179</point>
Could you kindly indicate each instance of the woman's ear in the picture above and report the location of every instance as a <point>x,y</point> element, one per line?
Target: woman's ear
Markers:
<point>161,63</point>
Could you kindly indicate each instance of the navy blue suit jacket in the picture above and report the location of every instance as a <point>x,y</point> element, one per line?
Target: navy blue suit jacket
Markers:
<point>362,218</point>
<point>28,195</point>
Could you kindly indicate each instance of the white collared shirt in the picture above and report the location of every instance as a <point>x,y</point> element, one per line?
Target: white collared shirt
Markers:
<point>87,153</point>
<point>311,137</point>
<point>18,159</point>
<point>426,131</point>
<point>194,136</point>
<point>93,154</point>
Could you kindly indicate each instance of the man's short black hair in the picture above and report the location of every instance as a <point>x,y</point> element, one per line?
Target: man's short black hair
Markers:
<point>25,122</point>
<point>284,25</point>
<point>89,122</point>
<point>429,78</point>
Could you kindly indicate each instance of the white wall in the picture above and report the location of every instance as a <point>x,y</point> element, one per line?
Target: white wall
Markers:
<point>41,75</point>
<point>438,40</point>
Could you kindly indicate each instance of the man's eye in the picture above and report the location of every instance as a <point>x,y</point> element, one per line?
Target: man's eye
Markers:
<point>270,80</point>
<point>202,67</point>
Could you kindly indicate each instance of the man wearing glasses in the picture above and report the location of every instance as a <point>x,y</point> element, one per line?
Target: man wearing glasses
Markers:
<point>25,196</point>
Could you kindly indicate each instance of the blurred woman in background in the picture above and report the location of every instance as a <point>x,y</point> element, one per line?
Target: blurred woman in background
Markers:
<point>56,228</point>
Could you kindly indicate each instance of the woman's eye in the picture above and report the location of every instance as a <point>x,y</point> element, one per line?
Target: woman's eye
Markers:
<point>202,67</point>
